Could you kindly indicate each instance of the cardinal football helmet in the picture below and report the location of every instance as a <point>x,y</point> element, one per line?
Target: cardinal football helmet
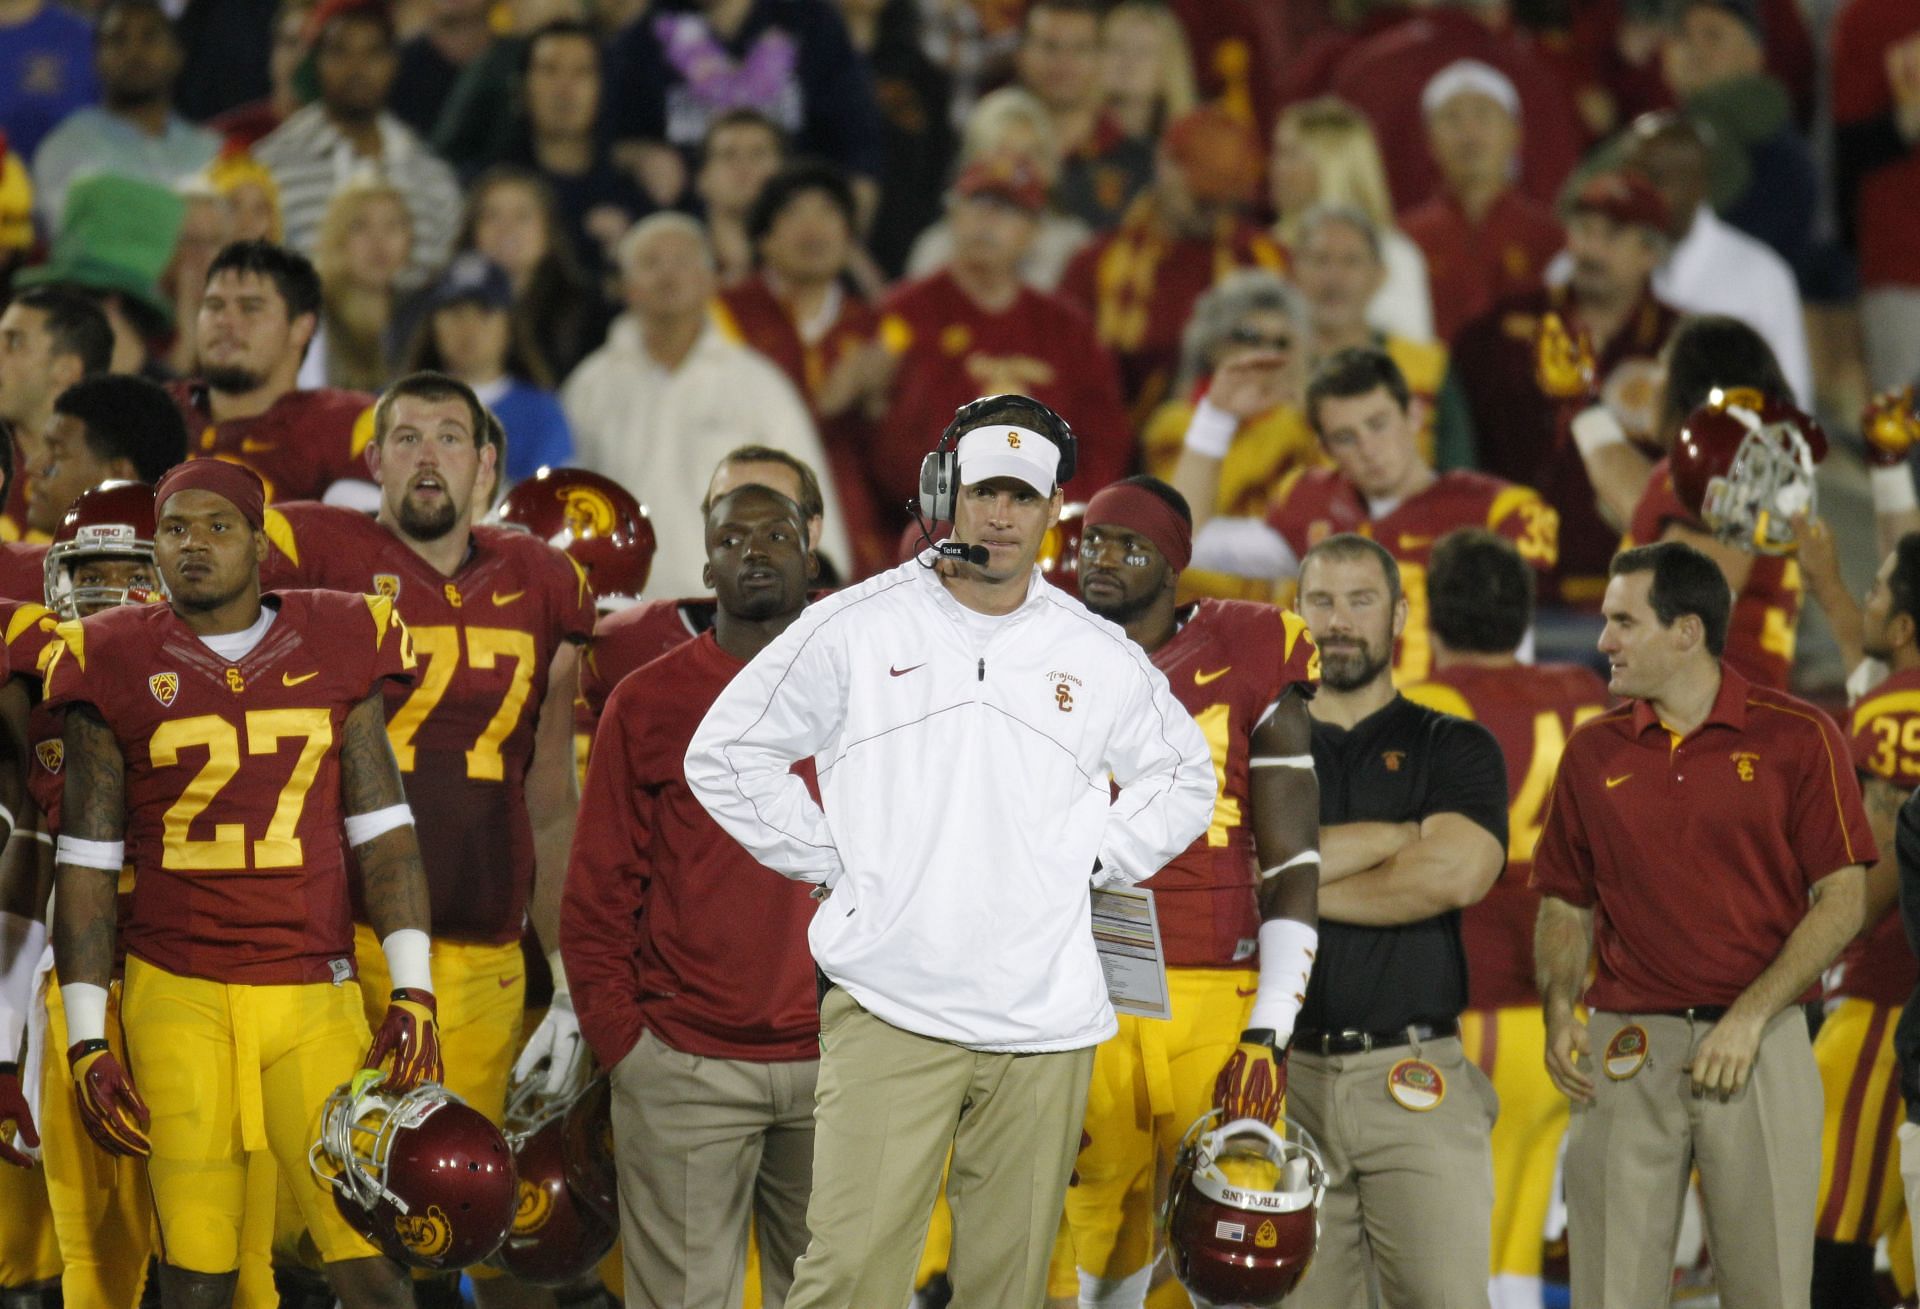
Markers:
<point>1060,549</point>
<point>556,1237</point>
<point>1744,465</point>
<point>595,520</point>
<point>1243,1212</point>
<point>112,520</point>
<point>586,1142</point>
<point>421,1175</point>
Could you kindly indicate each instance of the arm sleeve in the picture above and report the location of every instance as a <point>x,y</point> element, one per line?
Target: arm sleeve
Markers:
<point>1471,779</point>
<point>784,706</point>
<point>1160,761</point>
<point>1828,827</point>
<point>607,879</point>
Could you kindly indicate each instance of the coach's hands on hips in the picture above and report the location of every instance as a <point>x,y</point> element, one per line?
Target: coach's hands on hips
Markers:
<point>1724,1058</point>
<point>16,1119</point>
<point>1568,1043</point>
<point>1254,1081</point>
<point>555,1054</point>
<point>111,1110</point>
<point>410,1033</point>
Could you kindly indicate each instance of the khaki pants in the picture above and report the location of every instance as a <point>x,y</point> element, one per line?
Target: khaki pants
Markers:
<point>1409,1191</point>
<point>891,1104</point>
<point>1630,1153</point>
<point>701,1144</point>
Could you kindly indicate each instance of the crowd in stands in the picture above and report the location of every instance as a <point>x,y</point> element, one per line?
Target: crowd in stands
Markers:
<point>650,231</point>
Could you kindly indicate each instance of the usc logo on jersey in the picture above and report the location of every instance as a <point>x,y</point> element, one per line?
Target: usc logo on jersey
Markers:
<point>428,1235</point>
<point>532,1209</point>
<point>1743,762</point>
<point>235,682</point>
<point>1393,759</point>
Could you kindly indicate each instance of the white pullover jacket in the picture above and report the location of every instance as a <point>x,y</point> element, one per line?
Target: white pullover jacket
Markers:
<point>964,799</point>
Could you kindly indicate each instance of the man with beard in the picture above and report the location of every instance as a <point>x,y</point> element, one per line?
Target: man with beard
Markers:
<point>1413,829</point>
<point>696,986</point>
<point>1240,898</point>
<point>484,736</point>
<point>258,315</point>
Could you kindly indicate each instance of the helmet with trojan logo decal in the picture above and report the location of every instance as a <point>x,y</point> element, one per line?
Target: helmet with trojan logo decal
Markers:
<point>1744,464</point>
<point>556,1237</point>
<point>111,521</point>
<point>1243,1211</point>
<point>595,520</point>
<point>586,1143</point>
<point>421,1175</point>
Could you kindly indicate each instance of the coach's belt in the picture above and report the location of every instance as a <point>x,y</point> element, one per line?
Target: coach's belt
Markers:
<point>1312,1040</point>
<point>1700,1013</point>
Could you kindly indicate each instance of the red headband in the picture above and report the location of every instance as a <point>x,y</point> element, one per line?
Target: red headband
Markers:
<point>240,487</point>
<point>1137,509</point>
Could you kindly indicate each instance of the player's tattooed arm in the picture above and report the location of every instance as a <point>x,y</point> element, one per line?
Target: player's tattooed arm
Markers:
<point>1286,812</point>
<point>1883,801</point>
<point>392,876</point>
<point>93,808</point>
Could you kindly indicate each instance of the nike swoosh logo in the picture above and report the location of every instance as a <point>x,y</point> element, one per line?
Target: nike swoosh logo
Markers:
<point>508,598</point>
<point>901,672</point>
<point>288,679</point>
<point>249,446</point>
<point>1244,992</point>
<point>505,982</point>
<point>1201,679</point>
<point>1615,781</point>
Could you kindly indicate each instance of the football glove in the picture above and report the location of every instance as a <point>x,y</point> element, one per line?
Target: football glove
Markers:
<point>1254,1081</point>
<point>16,1120</point>
<point>114,1114</point>
<point>410,1033</point>
<point>1890,427</point>
<point>556,1056</point>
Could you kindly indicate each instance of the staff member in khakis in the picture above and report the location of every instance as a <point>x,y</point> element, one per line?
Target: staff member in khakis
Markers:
<point>1413,828</point>
<point>703,1008</point>
<point>965,718</point>
<point>1705,845</point>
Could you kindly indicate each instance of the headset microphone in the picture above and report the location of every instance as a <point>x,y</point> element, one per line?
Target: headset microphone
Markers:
<point>973,554</point>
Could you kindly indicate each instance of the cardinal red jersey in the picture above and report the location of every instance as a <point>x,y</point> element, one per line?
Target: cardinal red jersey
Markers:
<point>1764,628</point>
<point>1884,735</point>
<point>463,733</point>
<point>233,789</point>
<point>1316,503</point>
<point>1227,664</point>
<point>23,571</point>
<point>29,632</point>
<point>637,635</point>
<point>667,925</point>
<point>304,442</point>
<point>951,351</point>
<point>1530,709</point>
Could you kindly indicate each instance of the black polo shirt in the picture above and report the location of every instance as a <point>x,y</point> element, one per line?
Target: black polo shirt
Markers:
<point>1401,764</point>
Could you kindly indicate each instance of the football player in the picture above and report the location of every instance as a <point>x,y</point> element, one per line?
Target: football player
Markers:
<point>484,736</point>
<point>230,746</point>
<point>1236,909</point>
<point>1359,405</point>
<point>1480,593</point>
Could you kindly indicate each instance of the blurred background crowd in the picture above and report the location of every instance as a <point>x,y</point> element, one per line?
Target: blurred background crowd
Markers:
<point>651,231</point>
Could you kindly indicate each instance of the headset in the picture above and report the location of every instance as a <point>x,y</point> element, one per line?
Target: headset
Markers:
<point>940,469</point>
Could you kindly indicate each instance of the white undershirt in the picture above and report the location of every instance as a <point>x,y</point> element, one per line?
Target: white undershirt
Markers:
<point>982,626</point>
<point>235,646</point>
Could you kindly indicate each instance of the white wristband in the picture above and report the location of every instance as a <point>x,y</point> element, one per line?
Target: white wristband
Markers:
<point>1892,489</point>
<point>86,1006</point>
<point>1286,961</point>
<point>1595,428</point>
<point>559,970</point>
<point>362,828</point>
<point>408,950</point>
<point>1211,430</point>
<point>107,856</point>
<point>22,940</point>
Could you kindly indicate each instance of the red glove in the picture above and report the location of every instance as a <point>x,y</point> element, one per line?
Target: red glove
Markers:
<point>113,1112</point>
<point>411,1034</point>
<point>15,1118</point>
<point>1253,1084</point>
<point>1890,427</point>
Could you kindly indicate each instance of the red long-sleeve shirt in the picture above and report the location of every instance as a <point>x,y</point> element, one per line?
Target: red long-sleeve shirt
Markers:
<point>667,925</point>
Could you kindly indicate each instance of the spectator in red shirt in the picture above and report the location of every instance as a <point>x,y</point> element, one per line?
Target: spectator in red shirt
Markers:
<point>1876,111</point>
<point>1484,238</point>
<point>1102,167</point>
<point>1386,75</point>
<point>1140,281</point>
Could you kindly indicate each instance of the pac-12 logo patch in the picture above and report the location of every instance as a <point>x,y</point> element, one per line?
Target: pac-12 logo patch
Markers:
<point>1416,1084</point>
<point>1626,1053</point>
<point>51,753</point>
<point>387,584</point>
<point>1267,1237</point>
<point>165,686</point>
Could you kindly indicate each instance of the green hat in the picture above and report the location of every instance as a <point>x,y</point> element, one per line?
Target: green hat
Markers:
<point>116,234</point>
